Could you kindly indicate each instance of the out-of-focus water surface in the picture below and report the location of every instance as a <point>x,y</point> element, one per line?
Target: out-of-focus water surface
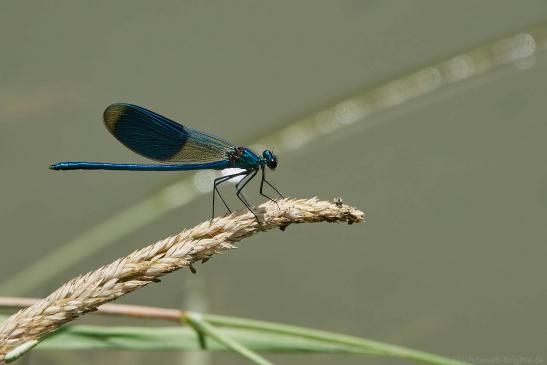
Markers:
<point>454,183</point>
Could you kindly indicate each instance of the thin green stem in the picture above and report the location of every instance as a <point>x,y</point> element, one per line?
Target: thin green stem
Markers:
<point>202,327</point>
<point>378,348</point>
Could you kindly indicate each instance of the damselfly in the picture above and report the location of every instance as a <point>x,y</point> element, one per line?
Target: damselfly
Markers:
<point>178,148</point>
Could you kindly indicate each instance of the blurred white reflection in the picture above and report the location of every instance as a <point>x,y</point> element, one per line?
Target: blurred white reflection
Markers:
<point>203,180</point>
<point>429,78</point>
<point>460,67</point>
<point>326,121</point>
<point>348,112</point>
<point>232,171</point>
<point>294,137</point>
<point>524,46</point>
<point>523,52</point>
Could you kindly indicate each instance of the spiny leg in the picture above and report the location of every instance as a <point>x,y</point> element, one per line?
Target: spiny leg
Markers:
<point>273,187</point>
<point>216,183</point>
<point>221,180</point>
<point>262,185</point>
<point>239,192</point>
<point>262,181</point>
<point>244,181</point>
<point>241,196</point>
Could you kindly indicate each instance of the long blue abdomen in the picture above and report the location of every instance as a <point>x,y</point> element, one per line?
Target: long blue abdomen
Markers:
<point>138,167</point>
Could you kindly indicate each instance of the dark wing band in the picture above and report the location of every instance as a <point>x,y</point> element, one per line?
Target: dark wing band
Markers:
<point>161,139</point>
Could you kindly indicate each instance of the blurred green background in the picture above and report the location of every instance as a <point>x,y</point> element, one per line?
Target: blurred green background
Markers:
<point>454,182</point>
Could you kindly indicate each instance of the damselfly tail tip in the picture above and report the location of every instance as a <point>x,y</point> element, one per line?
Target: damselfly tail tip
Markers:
<point>54,166</point>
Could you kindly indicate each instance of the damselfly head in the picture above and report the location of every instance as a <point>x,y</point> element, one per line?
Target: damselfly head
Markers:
<point>271,160</point>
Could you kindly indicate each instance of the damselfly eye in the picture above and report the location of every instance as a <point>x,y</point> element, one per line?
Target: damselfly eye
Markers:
<point>272,164</point>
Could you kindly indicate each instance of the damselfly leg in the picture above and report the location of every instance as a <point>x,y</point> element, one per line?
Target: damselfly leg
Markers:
<point>239,190</point>
<point>262,181</point>
<point>217,182</point>
<point>248,175</point>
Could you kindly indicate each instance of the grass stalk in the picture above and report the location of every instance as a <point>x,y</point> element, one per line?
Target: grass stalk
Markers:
<point>86,292</point>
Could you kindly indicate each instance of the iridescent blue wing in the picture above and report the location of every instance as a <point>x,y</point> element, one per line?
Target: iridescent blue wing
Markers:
<point>159,138</point>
